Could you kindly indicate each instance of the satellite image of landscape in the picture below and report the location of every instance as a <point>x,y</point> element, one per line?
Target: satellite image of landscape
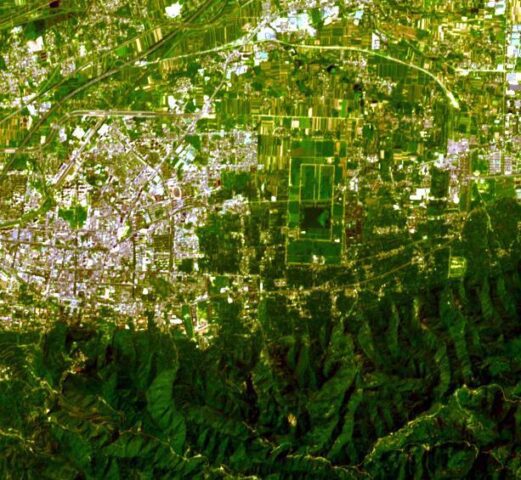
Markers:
<point>260,239</point>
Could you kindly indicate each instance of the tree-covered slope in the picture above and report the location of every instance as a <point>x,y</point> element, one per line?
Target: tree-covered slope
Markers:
<point>400,387</point>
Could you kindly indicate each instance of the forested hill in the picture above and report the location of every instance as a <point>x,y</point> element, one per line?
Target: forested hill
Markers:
<point>397,386</point>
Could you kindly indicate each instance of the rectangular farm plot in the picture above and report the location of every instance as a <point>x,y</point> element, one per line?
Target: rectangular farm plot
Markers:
<point>314,223</point>
<point>308,184</point>
<point>316,183</point>
<point>325,182</point>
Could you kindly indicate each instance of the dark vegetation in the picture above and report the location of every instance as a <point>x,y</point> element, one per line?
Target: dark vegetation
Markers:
<point>332,385</point>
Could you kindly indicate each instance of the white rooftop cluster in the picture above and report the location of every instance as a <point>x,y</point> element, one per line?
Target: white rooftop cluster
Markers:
<point>174,10</point>
<point>294,22</point>
<point>35,45</point>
